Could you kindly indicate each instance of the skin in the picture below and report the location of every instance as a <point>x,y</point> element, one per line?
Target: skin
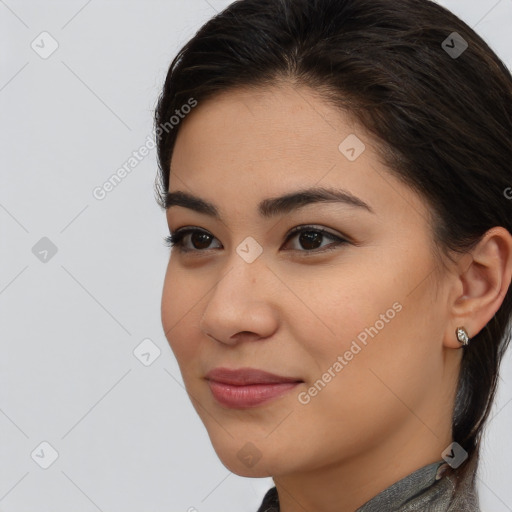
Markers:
<point>388,411</point>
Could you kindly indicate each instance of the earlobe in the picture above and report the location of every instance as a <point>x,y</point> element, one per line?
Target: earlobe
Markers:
<point>485,282</point>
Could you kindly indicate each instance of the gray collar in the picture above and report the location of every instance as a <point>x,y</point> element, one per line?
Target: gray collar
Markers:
<point>409,489</point>
<point>425,489</point>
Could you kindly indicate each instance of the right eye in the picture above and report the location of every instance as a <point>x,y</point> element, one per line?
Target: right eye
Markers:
<point>200,239</point>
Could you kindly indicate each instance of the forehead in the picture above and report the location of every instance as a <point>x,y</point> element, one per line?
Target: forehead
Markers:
<point>264,134</point>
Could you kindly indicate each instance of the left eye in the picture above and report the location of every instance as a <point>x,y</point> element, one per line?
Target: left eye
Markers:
<point>309,237</point>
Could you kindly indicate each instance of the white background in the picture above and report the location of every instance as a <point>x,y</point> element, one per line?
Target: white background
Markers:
<point>126,434</point>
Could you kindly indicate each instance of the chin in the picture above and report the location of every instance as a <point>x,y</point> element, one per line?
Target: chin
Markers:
<point>245,459</point>
<point>233,464</point>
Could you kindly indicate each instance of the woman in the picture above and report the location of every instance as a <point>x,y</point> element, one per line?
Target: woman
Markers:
<point>336,177</point>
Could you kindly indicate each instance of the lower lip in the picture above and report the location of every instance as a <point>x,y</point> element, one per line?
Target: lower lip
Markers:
<point>250,395</point>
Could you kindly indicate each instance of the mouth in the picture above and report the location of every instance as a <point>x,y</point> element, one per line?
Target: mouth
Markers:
<point>247,387</point>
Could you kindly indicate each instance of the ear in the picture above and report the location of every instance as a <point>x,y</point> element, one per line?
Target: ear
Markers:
<point>484,277</point>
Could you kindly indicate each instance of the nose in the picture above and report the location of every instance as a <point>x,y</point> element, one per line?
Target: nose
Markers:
<point>241,305</point>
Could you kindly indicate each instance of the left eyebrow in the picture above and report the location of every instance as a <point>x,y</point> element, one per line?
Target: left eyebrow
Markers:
<point>271,207</point>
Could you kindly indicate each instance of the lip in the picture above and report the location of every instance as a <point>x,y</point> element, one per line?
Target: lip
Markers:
<point>247,387</point>
<point>243,376</point>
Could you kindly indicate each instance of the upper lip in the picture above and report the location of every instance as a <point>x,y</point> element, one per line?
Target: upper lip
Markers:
<point>243,376</point>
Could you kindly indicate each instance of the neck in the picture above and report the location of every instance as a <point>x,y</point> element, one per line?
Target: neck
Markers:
<point>349,484</point>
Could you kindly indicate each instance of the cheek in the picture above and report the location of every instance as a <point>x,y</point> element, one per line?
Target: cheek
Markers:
<point>342,308</point>
<point>387,361</point>
<point>180,305</point>
<point>366,326</point>
<point>367,394</point>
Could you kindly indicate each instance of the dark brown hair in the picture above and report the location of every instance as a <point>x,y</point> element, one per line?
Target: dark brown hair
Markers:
<point>443,122</point>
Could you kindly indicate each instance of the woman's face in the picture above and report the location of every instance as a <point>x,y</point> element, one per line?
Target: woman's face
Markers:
<point>356,315</point>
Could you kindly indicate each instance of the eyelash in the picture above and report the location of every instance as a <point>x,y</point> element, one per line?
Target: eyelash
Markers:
<point>175,239</point>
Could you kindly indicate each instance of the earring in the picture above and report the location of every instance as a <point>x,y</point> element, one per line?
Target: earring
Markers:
<point>462,336</point>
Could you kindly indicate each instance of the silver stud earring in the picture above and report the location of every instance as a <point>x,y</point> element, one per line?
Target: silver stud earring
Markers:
<point>462,336</point>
